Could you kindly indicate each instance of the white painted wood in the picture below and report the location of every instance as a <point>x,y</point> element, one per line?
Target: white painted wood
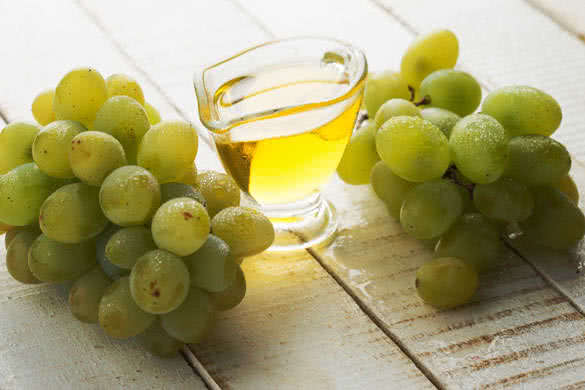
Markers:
<point>568,13</point>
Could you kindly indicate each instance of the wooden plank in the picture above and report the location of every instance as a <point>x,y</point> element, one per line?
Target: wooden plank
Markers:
<point>297,328</point>
<point>518,331</point>
<point>42,345</point>
<point>570,14</point>
<point>506,42</point>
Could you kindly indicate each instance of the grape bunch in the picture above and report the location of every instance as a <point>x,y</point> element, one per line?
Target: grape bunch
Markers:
<point>104,194</point>
<point>462,180</point>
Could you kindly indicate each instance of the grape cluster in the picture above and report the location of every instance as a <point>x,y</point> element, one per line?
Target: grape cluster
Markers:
<point>464,180</point>
<point>107,196</point>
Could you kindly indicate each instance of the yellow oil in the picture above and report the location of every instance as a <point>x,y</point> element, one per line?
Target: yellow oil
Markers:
<point>286,154</point>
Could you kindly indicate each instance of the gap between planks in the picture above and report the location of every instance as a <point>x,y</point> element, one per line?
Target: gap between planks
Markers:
<point>558,20</point>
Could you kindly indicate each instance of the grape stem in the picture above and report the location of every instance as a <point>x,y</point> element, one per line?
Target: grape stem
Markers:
<point>453,174</point>
<point>412,92</point>
<point>424,101</point>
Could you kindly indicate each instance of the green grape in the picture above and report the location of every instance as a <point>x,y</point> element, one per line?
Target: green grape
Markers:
<point>212,266</point>
<point>190,177</point>
<point>42,107</point>
<point>504,200</point>
<point>130,196</point>
<point>430,52</point>
<point>360,155</point>
<point>246,231</point>
<point>113,271</point>
<point>445,120</point>
<point>170,191</point>
<point>391,188</point>
<point>159,342</point>
<point>219,190</point>
<point>159,282</point>
<point>181,226</point>
<point>556,221</point>
<point>233,295</point>
<point>12,232</point>
<point>430,208</point>
<point>51,145</point>
<point>79,95</point>
<point>479,149</point>
<point>16,142</point>
<point>381,87</point>
<point>452,90</point>
<point>413,148</point>
<point>17,257</point>
<point>524,110</point>
<point>537,160</point>
<point>566,185</point>
<point>118,314</point>
<point>127,245</point>
<point>191,321</point>
<point>122,85</point>
<point>395,107</point>
<point>446,282</point>
<point>72,214</point>
<point>86,293</point>
<point>466,198</point>
<point>93,155</point>
<point>152,113</point>
<point>168,150</point>
<point>22,192</point>
<point>473,239</point>
<point>9,236</point>
<point>53,261</point>
<point>125,119</point>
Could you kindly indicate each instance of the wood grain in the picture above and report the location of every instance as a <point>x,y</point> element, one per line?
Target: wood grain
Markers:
<point>570,14</point>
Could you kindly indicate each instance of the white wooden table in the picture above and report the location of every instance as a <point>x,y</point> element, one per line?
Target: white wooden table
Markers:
<point>346,316</point>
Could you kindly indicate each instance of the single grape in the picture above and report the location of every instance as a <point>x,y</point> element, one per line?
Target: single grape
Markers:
<point>395,107</point>
<point>181,226</point>
<point>159,282</point>
<point>16,142</point>
<point>413,148</point>
<point>130,196</point>
<point>430,208</point>
<point>118,314</point>
<point>191,321</point>
<point>446,282</point>
<point>17,257</point>
<point>127,245</point>
<point>14,231</point>
<point>479,149</point>
<point>430,52</point>
<point>152,113</point>
<point>381,87</point>
<point>537,160</point>
<point>190,177</point>
<point>9,236</point>
<point>52,261</point>
<point>473,239</point>
<point>504,200</point>
<point>219,190</point>
<point>125,119</point>
<point>113,271</point>
<point>123,85</point>
<point>212,266</point>
<point>233,295</point>
<point>360,155</point>
<point>22,192</point>
<point>168,150</point>
<point>93,155</point>
<point>86,293</point>
<point>79,95</point>
<point>42,107</point>
<point>170,191</point>
<point>566,185</point>
<point>72,214</point>
<point>391,188</point>
<point>452,90</point>
<point>51,145</point>
<point>246,231</point>
<point>159,342</point>
<point>524,110</point>
<point>556,221</point>
<point>445,120</point>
